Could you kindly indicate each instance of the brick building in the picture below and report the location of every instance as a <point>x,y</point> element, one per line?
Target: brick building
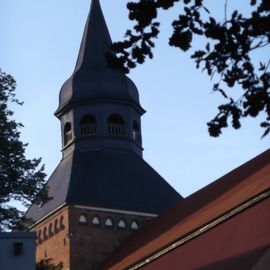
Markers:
<point>102,191</point>
<point>223,226</point>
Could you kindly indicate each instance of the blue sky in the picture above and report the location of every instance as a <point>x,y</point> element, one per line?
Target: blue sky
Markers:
<point>39,46</point>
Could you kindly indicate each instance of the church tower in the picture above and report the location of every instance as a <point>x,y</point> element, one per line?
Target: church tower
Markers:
<point>102,190</point>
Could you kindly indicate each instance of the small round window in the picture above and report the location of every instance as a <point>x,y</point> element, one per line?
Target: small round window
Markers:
<point>122,224</point>
<point>82,219</point>
<point>135,225</point>
<point>95,220</point>
<point>108,222</point>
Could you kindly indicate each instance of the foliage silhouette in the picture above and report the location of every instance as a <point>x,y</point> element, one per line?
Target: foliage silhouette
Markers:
<point>21,179</point>
<point>226,55</point>
<point>48,265</point>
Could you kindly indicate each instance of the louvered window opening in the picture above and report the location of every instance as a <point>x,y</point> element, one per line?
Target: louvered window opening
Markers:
<point>116,130</point>
<point>88,130</point>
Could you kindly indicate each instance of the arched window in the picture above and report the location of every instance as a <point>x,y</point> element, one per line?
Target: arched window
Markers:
<point>95,220</point>
<point>136,133</point>
<point>62,225</point>
<point>88,126</point>
<point>67,133</point>
<point>122,224</point>
<point>135,225</point>
<point>50,229</point>
<point>56,226</point>
<point>45,233</point>
<point>40,237</point>
<point>116,125</point>
<point>108,222</point>
<point>82,219</point>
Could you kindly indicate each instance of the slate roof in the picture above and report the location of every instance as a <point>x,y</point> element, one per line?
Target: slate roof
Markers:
<point>109,179</point>
<point>103,178</point>
<point>92,79</point>
<point>196,211</point>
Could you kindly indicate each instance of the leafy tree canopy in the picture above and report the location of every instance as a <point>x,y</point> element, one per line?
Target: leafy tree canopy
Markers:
<point>225,55</point>
<point>21,179</point>
<point>48,265</point>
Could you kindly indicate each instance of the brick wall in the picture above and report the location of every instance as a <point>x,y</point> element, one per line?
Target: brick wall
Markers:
<point>82,238</point>
<point>52,238</point>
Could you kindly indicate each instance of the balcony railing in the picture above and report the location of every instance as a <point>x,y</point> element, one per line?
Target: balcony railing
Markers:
<point>88,130</point>
<point>116,130</point>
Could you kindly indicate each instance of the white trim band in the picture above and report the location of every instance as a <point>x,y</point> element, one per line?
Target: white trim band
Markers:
<point>117,211</point>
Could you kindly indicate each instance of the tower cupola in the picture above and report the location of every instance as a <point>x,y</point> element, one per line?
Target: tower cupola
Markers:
<point>102,190</point>
<point>98,106</point>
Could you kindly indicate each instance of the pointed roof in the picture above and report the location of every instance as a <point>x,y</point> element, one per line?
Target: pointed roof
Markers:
<point>92,79</point>
<point>106,179</point>
<point>96,41</point>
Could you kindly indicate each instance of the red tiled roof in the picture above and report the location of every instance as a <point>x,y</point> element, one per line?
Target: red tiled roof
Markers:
<point>239,242</point>
<point>200,208</point>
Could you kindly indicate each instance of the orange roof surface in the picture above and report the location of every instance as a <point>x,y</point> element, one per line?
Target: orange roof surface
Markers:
<point>196,211</point>
<point>240,242</point>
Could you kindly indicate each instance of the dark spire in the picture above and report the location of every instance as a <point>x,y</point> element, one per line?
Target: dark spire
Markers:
<point>92,79</point>
<point>96,40</point>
